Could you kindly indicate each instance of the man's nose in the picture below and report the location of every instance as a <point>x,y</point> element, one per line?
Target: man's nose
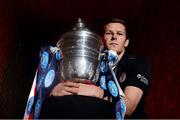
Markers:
<point>114,36</point>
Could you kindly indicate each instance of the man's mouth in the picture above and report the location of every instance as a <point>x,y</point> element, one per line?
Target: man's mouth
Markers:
<point>113,44</point>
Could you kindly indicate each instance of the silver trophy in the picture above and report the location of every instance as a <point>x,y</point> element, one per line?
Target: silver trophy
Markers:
<point>81,51</point>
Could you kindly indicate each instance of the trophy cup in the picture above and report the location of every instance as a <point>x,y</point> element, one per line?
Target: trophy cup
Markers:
<point>81,52</point>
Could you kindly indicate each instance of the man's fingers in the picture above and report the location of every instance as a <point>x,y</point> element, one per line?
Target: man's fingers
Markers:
<point>62,93</point>
<point>61,90</point>
<point>70,84</point>
<point>71,89</point>
<point>65,88</point>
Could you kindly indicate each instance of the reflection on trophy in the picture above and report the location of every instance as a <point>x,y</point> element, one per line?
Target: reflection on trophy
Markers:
<point>81,51</point>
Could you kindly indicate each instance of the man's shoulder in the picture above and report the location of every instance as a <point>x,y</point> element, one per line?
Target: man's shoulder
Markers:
<point>137,70</point>
<point>137,60</point>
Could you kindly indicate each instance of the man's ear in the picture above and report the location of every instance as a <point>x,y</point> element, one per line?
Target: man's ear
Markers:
<point>126,43</point>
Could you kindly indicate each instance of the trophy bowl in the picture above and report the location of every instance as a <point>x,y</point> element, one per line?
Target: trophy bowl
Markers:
<point>81,51</point>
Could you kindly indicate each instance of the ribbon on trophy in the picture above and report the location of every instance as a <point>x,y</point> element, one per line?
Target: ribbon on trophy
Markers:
<point>109,83</point>
<point>46,78</point>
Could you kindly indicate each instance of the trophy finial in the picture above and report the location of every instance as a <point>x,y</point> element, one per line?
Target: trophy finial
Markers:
<point>79,24</point>
<point>79,20</point>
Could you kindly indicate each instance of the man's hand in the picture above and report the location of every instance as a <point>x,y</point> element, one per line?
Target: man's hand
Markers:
<point>65,88</point>
<point>90,90</point>
<point>72,88</point>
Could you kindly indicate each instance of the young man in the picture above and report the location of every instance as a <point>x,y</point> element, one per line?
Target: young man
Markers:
<point>131,72</point>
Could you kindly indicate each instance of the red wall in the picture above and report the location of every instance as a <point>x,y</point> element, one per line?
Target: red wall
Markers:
<point>7,30</point>
<point>26,25</point>
<point>158,39</point>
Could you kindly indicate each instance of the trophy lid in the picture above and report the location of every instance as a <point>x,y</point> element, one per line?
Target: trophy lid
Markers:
<point>79,31</point>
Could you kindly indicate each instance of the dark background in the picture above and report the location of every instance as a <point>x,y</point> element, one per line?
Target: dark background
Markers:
<point>27,25</point>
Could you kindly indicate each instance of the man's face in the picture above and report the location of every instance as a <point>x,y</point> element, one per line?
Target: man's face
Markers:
<point>115,37</point>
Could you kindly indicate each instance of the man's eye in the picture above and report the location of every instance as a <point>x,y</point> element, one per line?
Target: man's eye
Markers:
<point>108,33</point>
<point>120,34</point>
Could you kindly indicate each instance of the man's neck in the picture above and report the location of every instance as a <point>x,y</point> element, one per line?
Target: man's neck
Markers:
<point>120,55</point>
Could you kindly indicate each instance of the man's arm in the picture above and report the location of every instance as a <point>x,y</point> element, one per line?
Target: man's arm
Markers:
<point>132,97</point>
